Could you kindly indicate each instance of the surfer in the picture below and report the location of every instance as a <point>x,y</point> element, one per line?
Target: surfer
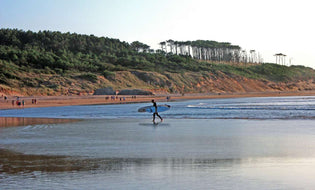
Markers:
<point>156,112</point>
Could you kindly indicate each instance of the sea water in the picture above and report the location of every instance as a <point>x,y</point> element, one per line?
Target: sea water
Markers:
<point>231,108</point>
<point>242,143</point>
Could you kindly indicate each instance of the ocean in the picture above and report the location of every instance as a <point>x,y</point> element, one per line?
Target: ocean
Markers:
<point>236,143</point>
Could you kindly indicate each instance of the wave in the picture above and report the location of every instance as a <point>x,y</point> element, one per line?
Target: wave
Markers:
<point>37,127</point>
<point>284,117</point>
<point>251,108</point>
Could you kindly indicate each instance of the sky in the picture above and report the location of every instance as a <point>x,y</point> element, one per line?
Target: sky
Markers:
<point>267,26</point>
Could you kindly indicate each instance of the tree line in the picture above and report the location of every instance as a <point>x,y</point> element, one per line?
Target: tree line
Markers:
<point>211,51</point>
<point>71,51</point>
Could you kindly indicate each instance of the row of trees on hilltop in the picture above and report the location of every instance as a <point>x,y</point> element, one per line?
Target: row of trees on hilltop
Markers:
<point>210,50</point>
<point>76,52</point>
<point>59,42</point>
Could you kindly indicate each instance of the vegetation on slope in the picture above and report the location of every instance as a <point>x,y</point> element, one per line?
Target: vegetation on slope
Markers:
<point>53,61</point>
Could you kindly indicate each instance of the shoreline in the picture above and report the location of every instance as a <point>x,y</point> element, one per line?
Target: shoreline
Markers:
<point>53,101</point>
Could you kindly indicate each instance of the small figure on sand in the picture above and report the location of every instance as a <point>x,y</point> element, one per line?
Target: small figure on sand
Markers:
<point>156,112</point>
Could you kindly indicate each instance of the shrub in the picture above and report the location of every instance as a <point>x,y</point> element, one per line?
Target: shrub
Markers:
<point>109,75</point>
<point>89,76</point>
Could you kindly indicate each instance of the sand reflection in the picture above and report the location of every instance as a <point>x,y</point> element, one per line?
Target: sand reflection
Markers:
<point>24,121</point>
<point>14,163</point>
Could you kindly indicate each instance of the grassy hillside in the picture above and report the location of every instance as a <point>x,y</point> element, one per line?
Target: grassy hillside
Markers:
<point>54,63</point>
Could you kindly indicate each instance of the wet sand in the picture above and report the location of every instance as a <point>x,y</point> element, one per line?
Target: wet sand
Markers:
<point>23,121</point>
<point>187,154</point>
<point>50,101</point>
<point>12,162</point>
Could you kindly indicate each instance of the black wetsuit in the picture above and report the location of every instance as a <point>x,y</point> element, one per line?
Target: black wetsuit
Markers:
<point>156,113</point>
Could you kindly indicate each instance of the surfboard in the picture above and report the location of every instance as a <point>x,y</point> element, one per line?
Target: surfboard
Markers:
<point>151,109</point>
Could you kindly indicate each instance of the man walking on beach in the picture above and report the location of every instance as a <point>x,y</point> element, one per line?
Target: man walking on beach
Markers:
<point>156,112</point>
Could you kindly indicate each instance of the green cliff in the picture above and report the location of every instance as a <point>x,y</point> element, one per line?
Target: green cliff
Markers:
<point>54,63</point>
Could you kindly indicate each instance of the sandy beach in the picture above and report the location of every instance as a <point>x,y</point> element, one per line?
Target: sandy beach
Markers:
<point>51,101</point>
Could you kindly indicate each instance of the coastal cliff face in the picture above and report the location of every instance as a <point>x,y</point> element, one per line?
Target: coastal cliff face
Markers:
<point>186,82</point>
<point>55,63</point>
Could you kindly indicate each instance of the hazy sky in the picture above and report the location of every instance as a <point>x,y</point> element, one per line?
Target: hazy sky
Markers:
<point>267,26</point>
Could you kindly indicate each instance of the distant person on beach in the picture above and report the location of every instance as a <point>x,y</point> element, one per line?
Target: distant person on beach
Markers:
<point>168,98</point>
<point>156,112</point>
